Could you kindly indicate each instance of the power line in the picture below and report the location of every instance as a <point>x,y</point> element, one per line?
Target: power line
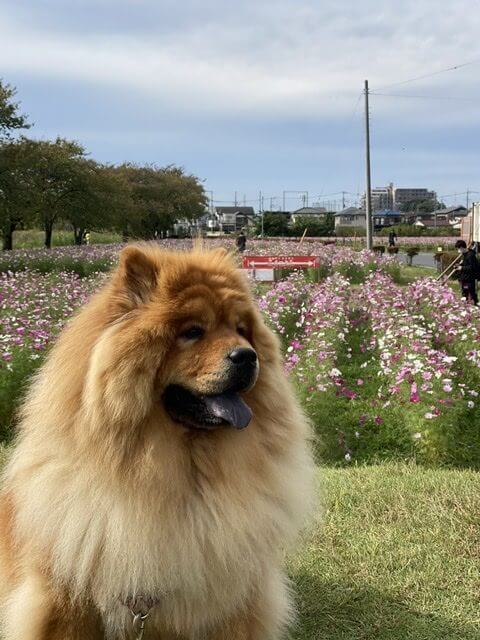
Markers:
<point>409,95</point>
<point>458,193</point>
<point>429,75</point>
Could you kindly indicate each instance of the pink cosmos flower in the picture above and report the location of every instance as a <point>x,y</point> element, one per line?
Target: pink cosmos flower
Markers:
<point>414,397</point>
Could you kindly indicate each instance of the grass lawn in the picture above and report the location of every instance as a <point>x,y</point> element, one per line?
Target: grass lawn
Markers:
<point>34,238</point>
<point>411,273</point>
<point>397,557</point>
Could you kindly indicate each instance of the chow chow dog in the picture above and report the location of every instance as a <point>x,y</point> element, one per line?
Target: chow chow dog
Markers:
<point>162,465</point>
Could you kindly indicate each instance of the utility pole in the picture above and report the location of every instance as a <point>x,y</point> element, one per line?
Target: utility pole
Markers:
<point>368,190</point>
<point>468,198</point>
<point>236,203</point>
<point>343,199</point>
<point>283,201</point>
<point>210,201</point>
<point>260,207</point>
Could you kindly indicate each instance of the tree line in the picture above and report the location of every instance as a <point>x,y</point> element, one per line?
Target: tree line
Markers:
<point>278,224</point>
<point>47,182</point>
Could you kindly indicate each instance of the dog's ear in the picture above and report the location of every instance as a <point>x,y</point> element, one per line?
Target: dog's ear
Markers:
<point>138,274</point>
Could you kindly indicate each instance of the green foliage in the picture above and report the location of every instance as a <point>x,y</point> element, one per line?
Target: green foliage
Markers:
<point>355,273</point>
<point>312,274</point>
<point>274,224</point>
<point>10,119</point>
<point>34,238</point>
<point>395,271</point>
<point>16,192</point>
<point>409,230</point>
<point>424,206</point>
<point>316,227</point>
<point>45,264</point>
<point>13,381</point>
<point>447,258</point>
<point>58,176</point>
<point>101,198</point>
<point>43,183</point>
<point>160,197</point>
<point>338,420</point>
<point>350,232</point>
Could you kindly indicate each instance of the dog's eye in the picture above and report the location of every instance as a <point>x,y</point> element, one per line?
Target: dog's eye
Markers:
<point>241,331</point>
<point>193,333</point>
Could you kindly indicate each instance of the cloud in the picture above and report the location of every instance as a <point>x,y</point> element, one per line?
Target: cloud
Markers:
<point>276,59</point>
<point>266,88</point>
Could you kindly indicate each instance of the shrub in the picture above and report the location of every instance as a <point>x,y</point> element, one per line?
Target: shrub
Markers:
<point>446,259</point>
<point>411,253</point>
<point>350,232</point>
<point>411,230</point>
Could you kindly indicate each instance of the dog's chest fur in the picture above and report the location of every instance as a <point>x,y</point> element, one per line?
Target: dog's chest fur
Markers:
<point>198,538</point>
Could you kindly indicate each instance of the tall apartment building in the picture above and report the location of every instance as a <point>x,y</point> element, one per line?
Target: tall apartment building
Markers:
<point>391,197</point>
<point>402,196</point>
<point>382,198</point>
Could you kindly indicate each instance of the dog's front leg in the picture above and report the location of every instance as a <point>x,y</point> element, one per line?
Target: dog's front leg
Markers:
<point>33,612</point>
<point>266,618</point>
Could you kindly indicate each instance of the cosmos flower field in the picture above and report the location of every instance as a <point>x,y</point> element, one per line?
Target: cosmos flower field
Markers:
<point>383,369</point>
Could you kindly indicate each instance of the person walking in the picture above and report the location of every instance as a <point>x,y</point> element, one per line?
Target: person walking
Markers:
<point>241,242</point>
<point>468,271</point>
<point>392,236</point>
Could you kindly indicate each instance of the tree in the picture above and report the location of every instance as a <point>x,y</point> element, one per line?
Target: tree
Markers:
<point>161,197</point>
<point>316,227</point>
<point>99,199</point>
<point>57,176</point>
<point>10,119</point>
<point>424,206</point>
<point>274,224</point>
<point>15,187</point>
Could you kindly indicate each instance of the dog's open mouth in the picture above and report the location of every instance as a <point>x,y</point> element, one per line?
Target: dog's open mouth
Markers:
<point>206,412</point>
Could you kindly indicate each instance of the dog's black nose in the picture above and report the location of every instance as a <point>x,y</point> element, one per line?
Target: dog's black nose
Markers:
<point>243,356</point>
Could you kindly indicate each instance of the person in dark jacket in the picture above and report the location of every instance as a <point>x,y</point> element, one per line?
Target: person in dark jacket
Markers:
<point>392,236</point>
<point>467,271</point>
<point>241,242</point>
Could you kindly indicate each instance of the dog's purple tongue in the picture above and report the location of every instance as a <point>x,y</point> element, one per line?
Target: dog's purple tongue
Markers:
<point>229,407</point>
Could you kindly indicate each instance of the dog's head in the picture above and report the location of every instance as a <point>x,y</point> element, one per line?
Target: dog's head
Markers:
<point>186,337</point>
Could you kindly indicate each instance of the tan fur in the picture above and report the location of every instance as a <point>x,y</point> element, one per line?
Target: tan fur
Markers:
<point>106,497</point>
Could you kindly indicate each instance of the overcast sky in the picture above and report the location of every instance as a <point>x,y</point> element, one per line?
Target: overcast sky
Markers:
<point>256,95</point>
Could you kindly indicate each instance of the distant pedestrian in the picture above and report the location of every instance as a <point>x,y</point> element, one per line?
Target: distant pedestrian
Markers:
<point>392,236</point>
<point>241,242</point>
<point>468,271</point>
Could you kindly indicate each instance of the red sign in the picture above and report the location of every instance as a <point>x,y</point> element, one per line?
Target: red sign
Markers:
<point>280,262</point>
